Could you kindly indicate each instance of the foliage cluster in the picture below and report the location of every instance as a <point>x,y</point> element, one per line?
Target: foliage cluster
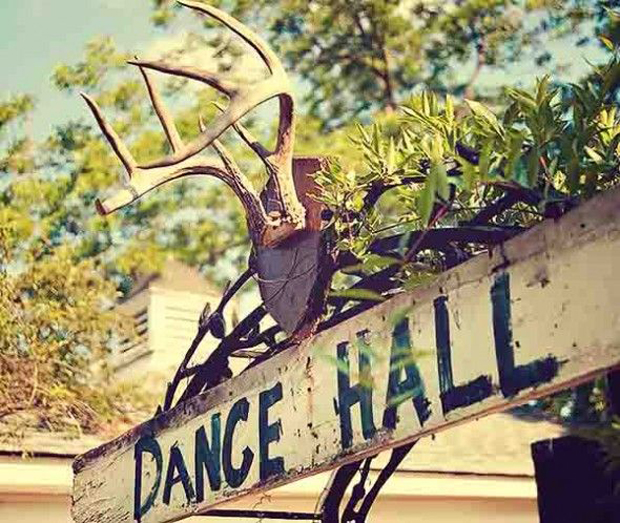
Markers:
<point>444,164</point>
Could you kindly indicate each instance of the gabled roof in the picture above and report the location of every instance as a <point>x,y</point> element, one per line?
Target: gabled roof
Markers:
<point>56,444</point>
<point>175,276</point>
<point>498,444</point>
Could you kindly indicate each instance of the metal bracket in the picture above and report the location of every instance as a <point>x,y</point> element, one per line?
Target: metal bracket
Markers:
<point>336,488</point>
<point>262,514</point>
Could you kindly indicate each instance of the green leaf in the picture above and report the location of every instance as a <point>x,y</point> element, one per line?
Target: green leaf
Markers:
<point>449,108</point>
<point>362,131</point>
<point>418,279</point>
<point>596,157</point>
<point>358,294</point>
<point>427,197</point>
<point>352,269</point>
<point>612,149</point>
<point>426,108</point>
<point>533,166</point>
<point>395,401</point>
<point>443,188</point>
<point>485,114</point>
<point>514,154</point>
<point>341,365</point>
<point>437,149</point>
<point>541,89</point>
<point>511,114</point>
<point>607,42</point>
<point>391,157</point>
<point>572,174</point>
<point>377,262</point>
<point>523,98</point>
<point>469,173</point>
<point>376,139</point>
<point>553,166</point>
<point>484,162</point>
<point>425,145</point>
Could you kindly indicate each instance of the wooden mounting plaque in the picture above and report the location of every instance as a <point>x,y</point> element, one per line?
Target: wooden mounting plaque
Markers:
<point>540,313</point>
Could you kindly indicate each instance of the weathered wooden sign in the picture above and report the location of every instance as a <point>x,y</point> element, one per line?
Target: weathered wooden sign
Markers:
<point>538,314</point>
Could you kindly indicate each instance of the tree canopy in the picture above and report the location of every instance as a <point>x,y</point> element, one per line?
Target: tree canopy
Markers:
<point>357,57</point>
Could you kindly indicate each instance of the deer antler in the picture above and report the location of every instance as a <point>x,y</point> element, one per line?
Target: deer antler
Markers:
<point>266,229</point>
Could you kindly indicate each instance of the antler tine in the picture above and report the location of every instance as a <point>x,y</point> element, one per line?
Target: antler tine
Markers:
<point>255,41</point>
<point>119,148</point>
<point>280,168</point>
<point>166,119</point>
<point>228,161</point>
<point>215,80</point>
<point>248,137</point>
<point>256,216</point>
<point>243,98</point>
<point>237,109</point>
<point>143,180</point>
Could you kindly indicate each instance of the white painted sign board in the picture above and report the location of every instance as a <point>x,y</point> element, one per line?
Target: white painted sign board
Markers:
<point>539,314</point>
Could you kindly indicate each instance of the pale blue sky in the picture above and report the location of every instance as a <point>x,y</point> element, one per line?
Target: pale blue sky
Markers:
<point>36,35</point>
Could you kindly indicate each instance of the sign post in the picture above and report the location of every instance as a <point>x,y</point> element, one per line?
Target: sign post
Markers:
<point>540,313</point>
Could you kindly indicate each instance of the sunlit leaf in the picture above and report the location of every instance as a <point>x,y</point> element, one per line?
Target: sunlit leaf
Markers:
<point>358,294</point>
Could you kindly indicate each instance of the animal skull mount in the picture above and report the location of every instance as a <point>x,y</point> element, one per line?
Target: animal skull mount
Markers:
<point>284,221</point>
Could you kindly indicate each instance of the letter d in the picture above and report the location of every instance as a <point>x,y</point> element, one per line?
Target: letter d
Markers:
<point>150,445</point>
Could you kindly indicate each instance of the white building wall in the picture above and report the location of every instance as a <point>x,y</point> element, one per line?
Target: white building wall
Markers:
<point>39,490</point>
<point>172,324</point>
